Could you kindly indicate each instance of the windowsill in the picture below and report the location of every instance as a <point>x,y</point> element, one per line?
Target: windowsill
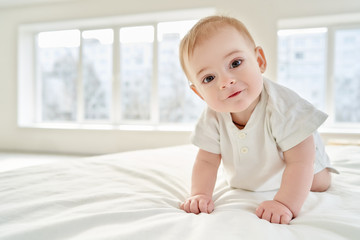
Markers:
<point>350,131</point>
<point>341,135</point>
<point>340,130</point>
<point>106,127</point>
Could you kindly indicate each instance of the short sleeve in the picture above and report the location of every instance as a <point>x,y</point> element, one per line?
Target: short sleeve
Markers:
<point>293,119</point>
<point>206,134</point>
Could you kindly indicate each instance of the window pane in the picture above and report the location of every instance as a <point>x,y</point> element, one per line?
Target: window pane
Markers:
<point>57,61</point>
<point>177,102</point>
<point>136,67</point>
<point>347,75</point>
<point>97,73</point>
<point>302,63</point>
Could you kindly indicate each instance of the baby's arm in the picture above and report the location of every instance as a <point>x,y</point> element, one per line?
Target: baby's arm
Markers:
<point>295,185</point>
<point>203,183</point>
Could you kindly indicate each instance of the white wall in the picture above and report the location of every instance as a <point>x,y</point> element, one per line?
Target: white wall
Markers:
<point>259,15</point>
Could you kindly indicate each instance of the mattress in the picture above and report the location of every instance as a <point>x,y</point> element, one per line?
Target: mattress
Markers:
<point>136,195</point>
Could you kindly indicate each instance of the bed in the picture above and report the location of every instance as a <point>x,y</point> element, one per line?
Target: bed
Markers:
<point>136,195</point>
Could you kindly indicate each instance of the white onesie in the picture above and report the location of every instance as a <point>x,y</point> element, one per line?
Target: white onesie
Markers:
<point>253,157</point>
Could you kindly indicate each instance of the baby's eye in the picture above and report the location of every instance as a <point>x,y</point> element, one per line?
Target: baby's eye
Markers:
<point>235,63</point>
<point>208,79</point>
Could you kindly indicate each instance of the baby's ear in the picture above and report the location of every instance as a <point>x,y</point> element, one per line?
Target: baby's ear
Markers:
<point>260,56</point>
<point>192,86</point>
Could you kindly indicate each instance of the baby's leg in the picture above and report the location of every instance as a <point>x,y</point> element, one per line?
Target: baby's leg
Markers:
<point>321,181</point>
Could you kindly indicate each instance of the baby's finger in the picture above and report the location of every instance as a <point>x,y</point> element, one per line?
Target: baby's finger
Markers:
<point>187,206</point>
<point>259,212</point>
<point>194,207</point>
<point>211,207</point>
<point>203,206</point>
<point>285,219</point>
<point>275,218</point>
<point>266,215</point>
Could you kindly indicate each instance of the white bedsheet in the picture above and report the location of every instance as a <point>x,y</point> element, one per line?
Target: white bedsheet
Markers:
<point>136,195</point>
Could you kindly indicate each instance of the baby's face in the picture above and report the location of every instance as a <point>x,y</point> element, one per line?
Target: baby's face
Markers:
<point>226,71</point>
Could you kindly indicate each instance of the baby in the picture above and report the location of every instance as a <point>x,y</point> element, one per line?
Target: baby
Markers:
<point>264,134</point>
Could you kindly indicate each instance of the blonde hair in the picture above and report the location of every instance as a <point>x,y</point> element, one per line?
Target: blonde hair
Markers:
<point>203,29</point>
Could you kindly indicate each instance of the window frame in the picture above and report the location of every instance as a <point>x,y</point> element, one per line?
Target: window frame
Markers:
<point>29,98</point>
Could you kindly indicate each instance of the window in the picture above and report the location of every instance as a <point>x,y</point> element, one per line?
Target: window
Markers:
<point>127,73</point>
<point>136,54</point>
<point>57,60</point>
<point>302,63</point>
<point>174,97</point>
<point>347,75</point>
<point>97,70</point>
<point>321,65</point>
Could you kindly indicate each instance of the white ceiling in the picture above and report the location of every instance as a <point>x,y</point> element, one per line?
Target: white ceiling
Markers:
<point>19,3</point>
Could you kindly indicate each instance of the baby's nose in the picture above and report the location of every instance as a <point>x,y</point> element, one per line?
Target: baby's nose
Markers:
<point>227,82</point>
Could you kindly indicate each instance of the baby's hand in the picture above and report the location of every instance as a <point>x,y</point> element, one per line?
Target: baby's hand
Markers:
<point>274,212</point>
<point>198,204</point>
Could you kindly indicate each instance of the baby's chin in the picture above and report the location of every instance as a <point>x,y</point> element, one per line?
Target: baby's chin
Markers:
<point>230,110</point>
<point>242,106</point>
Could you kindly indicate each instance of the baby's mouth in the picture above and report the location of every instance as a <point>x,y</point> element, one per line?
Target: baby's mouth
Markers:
<point>234,94</point>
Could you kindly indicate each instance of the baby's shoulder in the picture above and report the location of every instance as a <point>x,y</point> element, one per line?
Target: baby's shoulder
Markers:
<point>281,98</point>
